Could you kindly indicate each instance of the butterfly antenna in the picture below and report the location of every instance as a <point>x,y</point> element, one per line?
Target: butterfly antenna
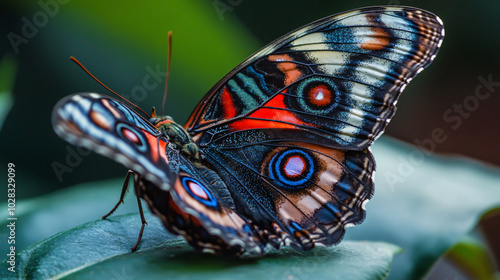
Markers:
<point>169,58</point>
<point>93,77</point>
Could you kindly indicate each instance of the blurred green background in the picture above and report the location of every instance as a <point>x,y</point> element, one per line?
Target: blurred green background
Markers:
<point>124,42</point>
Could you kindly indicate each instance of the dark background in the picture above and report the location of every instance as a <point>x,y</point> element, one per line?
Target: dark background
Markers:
<point>119,40</point>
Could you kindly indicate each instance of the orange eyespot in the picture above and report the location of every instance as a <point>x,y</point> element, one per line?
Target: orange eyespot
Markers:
<point>320,95</point>
<point>99,120</point>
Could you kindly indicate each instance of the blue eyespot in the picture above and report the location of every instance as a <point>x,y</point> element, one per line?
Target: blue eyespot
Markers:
<point>199,192</point>
<point>292,168</point>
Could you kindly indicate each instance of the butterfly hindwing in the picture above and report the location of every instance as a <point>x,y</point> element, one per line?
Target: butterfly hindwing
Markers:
<point>310,191</point>
<point>199,208</point>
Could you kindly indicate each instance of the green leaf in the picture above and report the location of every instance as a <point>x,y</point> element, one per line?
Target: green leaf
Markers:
<point>469,258</point>
<point>426,212</point>
<point>424,203</point>
<point>45,216</point>
<point>101,250</point>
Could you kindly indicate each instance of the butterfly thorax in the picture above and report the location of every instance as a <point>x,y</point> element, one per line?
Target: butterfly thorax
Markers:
<point>177,135</point>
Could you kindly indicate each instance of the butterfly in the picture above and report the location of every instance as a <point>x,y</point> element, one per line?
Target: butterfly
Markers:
<point>277,153</point>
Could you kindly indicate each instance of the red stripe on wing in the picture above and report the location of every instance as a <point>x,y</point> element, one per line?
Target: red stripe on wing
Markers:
<point>273,115</point>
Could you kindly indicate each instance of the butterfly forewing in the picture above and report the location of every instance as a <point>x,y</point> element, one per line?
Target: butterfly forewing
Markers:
<point>338,78</point>
<point>110,128</point>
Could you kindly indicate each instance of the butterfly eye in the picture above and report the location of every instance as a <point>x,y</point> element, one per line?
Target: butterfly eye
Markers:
<point>131,134</point>
<point>292,168</point>
<point>153,120</point>
<point>199,192</point>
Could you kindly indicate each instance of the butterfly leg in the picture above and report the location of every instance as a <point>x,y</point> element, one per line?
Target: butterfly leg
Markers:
<point>141,213</point>
<point>123,194</point>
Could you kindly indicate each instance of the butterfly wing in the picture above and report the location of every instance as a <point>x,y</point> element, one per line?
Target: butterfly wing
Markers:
<point>191,201</point>
<point>113,130</point>
<point>337,79</point>
<point>310,191</point>
<point>317,97</point>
